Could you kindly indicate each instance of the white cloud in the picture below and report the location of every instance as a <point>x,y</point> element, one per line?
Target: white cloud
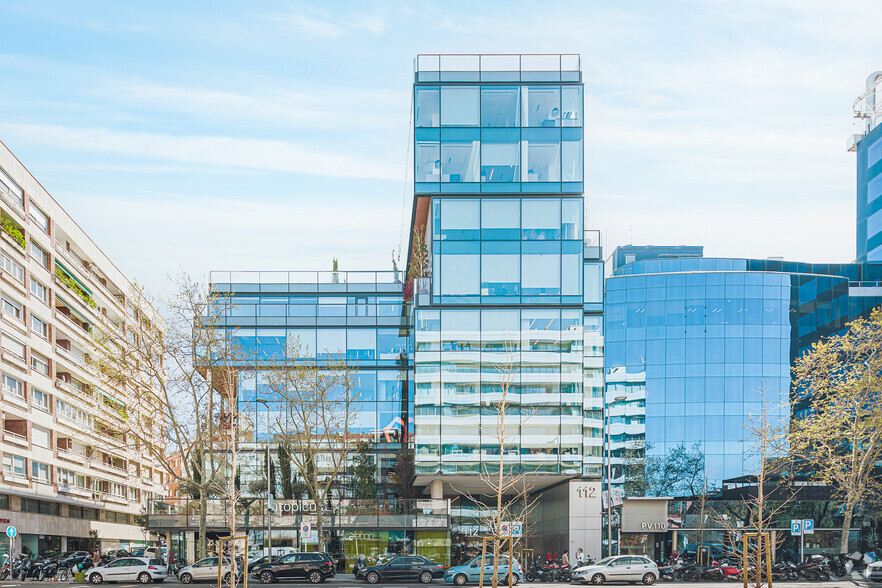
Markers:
<point>260,154</point>
<point>319,23</point>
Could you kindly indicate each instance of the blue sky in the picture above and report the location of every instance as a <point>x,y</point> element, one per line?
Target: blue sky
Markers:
<point>274,135</point>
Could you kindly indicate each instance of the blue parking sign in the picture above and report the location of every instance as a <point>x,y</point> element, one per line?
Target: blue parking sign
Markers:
<point>795,527</point>
<point>808,527</point>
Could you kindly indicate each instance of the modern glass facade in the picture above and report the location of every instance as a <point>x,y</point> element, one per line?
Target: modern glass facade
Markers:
<point>692,343</point>
<point>498,140</point>
<point>358,316</point>
<point>869,196</point>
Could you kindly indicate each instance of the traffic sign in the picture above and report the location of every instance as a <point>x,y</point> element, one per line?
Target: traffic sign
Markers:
<point>796,527</point>
<point>517,529</point>
<point>808,527</point>
<point>306,529</point>
<point>11,531</point>
<point>504,528</point>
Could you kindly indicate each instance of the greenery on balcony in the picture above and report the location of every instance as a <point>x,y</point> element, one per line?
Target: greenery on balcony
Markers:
<point>13,231</point>
<point>74,287</point>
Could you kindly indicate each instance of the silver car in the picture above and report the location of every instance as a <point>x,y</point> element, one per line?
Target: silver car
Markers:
<point>206,570</point>
<point>618,568</point>
<point>129,569</point>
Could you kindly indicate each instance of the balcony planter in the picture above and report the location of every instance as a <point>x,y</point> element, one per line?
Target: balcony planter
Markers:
<point>10,229</point>
<point>74,287</point>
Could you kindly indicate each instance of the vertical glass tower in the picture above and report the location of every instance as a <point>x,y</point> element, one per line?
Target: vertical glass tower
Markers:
<point>868,147</point>
<point>498,173</point>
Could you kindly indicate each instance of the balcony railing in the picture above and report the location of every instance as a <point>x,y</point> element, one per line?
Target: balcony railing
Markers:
<point>396,513</point>
<point>15,438</point>
<point>12,201</point>
<point>498,68</point>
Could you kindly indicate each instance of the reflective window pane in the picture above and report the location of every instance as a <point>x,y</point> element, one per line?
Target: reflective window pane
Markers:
<point>427,161</point>
<point>460,106</point>
<point>540,106</point>
<point>571,218</point>
<point>571,106</point>
<point>427,103</point>
<point>541,155</point>
<point>460,219</point>
<point>541,218</point>
<point>571,155</point>
<point>500,155</point>
<point>500,219</point>
<point>499,106</point>
<point>460,155</point>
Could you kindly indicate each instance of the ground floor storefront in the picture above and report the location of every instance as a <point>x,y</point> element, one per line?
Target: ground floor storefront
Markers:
<point>450,530</point>
<point>658,527</point>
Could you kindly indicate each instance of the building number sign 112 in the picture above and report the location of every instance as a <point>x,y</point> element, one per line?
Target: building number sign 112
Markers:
<point>586,492</point>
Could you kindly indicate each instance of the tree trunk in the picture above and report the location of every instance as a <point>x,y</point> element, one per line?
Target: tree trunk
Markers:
<point>846,526</point>
<point>319,528</point>
<point>203,523</point>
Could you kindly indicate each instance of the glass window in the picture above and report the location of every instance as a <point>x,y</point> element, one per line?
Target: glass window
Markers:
<point>427,103</point>
<point>500,219</point>
<point>874,152</point>
<point>14,466</point>
<point>460,106</point>
<point>460,155</point>
<point>500,272</point>
<point>39,255</point>
<point>330,342</point>
<point>7,185</point>
<point>13,386</point>
<point>541,218</point>
<point>39,217</point>
<point>571,106</point>
<point>541,155</point>
<point>571,155</point>
<point>541,106</point>
<point>39,363</point>
<point>428,157</point>
<point>39,327</point>
<point>13,309</point>
<point>571,272</point>
<point>571,218</point>
<point>540,269</point>
<point>15,269</point>
<point>40,399</point>
<point>460,275</point>
<point>460,219</point>
<point>361,344</point>
<point>500,155</point>
<point>39,291</point>
<point>39,471</point>
<point>499,106</point>
<point>305,338</point>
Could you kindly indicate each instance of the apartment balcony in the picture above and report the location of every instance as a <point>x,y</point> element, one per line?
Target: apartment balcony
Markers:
<point>76,329</point>
<point>109,468</point>
<point>15,399</point>
<point>90,277</point>
<point>72,457</point>
<point>15,439</point>
<point>75,491</point>
<point>83,395</point>
<point>11,200</point>
<point>17,479</point>
<point>76,425</point>
<point>13,244</point>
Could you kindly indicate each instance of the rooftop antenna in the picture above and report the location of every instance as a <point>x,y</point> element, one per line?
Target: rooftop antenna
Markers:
<point>868,107</point>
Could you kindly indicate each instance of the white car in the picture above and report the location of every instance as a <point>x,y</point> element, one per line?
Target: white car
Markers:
<point>874,572</point>
<point>619,568</point>
<point>129,569</point>
<point>206,570</point>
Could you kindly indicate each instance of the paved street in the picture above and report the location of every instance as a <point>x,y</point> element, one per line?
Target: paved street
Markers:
<point>350,583</point>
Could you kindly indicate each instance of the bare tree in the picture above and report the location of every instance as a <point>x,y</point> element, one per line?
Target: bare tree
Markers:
<point>318,407</point>
<point>840,436</point>
<point>182,373</point>
<point>508,487</point>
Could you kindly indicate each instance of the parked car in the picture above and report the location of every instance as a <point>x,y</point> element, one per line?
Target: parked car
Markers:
<point>471,571</point>
<point>116,554</point>
<point>404,567</point>
<point>619,568</point>
<point>315,567</point>
<point>206,570</point>
<point>128,569</point>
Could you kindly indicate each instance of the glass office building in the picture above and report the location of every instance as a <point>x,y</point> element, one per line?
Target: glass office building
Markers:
<point>514,292</point>
<point>693,345</point>
<point>868,147</point>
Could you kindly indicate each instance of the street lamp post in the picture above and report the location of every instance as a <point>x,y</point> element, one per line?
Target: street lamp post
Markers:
<point>609,478</point>
<point>269,512</point>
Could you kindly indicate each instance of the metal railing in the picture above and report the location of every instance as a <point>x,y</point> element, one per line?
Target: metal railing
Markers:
<point>555,67</point>
<point>183,513</point>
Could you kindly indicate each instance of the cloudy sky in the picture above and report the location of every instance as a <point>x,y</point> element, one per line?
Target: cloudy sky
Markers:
<point>274,135</point>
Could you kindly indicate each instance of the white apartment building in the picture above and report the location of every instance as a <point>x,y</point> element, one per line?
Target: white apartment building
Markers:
<point>69,469</point>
